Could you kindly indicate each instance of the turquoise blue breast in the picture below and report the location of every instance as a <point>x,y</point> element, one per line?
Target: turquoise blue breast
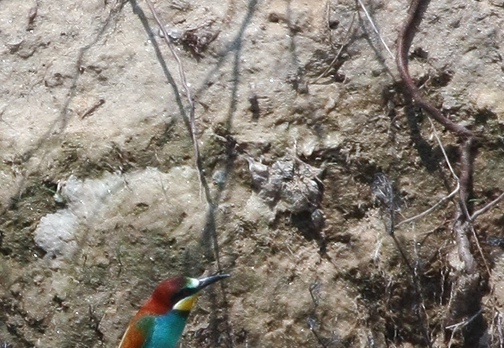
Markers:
<point>167,330</point>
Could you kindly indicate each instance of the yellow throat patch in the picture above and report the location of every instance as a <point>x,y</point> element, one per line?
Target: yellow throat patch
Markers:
<point>186,304</point>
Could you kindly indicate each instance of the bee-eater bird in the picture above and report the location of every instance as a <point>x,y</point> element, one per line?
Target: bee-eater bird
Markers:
<point>161,320</point>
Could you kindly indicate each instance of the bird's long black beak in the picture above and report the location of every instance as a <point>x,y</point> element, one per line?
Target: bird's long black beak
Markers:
<point>204,282</point>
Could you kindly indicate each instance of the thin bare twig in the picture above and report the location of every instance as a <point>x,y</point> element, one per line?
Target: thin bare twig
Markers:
<point>187,92</point>
<point>461,325</point>
<point>343,45</point>
<point>403,45</point>
<point>444,198</point>
<point>480,250</point>
<point>375,28</point>
<point>465,322</point>
<point>465,179</point>
<point>487,207</point>
<point>466,287</point>
<point>443,150</point>
<point>462,223</point>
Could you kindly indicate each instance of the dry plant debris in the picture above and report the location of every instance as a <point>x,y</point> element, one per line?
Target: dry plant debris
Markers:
<point>384,193</point>
<point>290,185</point>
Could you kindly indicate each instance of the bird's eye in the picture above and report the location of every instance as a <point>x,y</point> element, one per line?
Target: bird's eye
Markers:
<point>183,293</point>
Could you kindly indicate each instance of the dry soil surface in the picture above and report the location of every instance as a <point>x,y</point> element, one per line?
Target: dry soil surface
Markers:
<point>298,105</point>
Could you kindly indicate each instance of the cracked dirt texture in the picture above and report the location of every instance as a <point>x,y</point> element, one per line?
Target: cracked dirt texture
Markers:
<point>100,195</point>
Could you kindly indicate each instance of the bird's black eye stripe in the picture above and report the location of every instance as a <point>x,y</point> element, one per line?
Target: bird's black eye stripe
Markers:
<point>185,292</point>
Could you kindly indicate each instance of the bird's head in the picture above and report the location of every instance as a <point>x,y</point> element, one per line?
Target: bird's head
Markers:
<point>181,293</point>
